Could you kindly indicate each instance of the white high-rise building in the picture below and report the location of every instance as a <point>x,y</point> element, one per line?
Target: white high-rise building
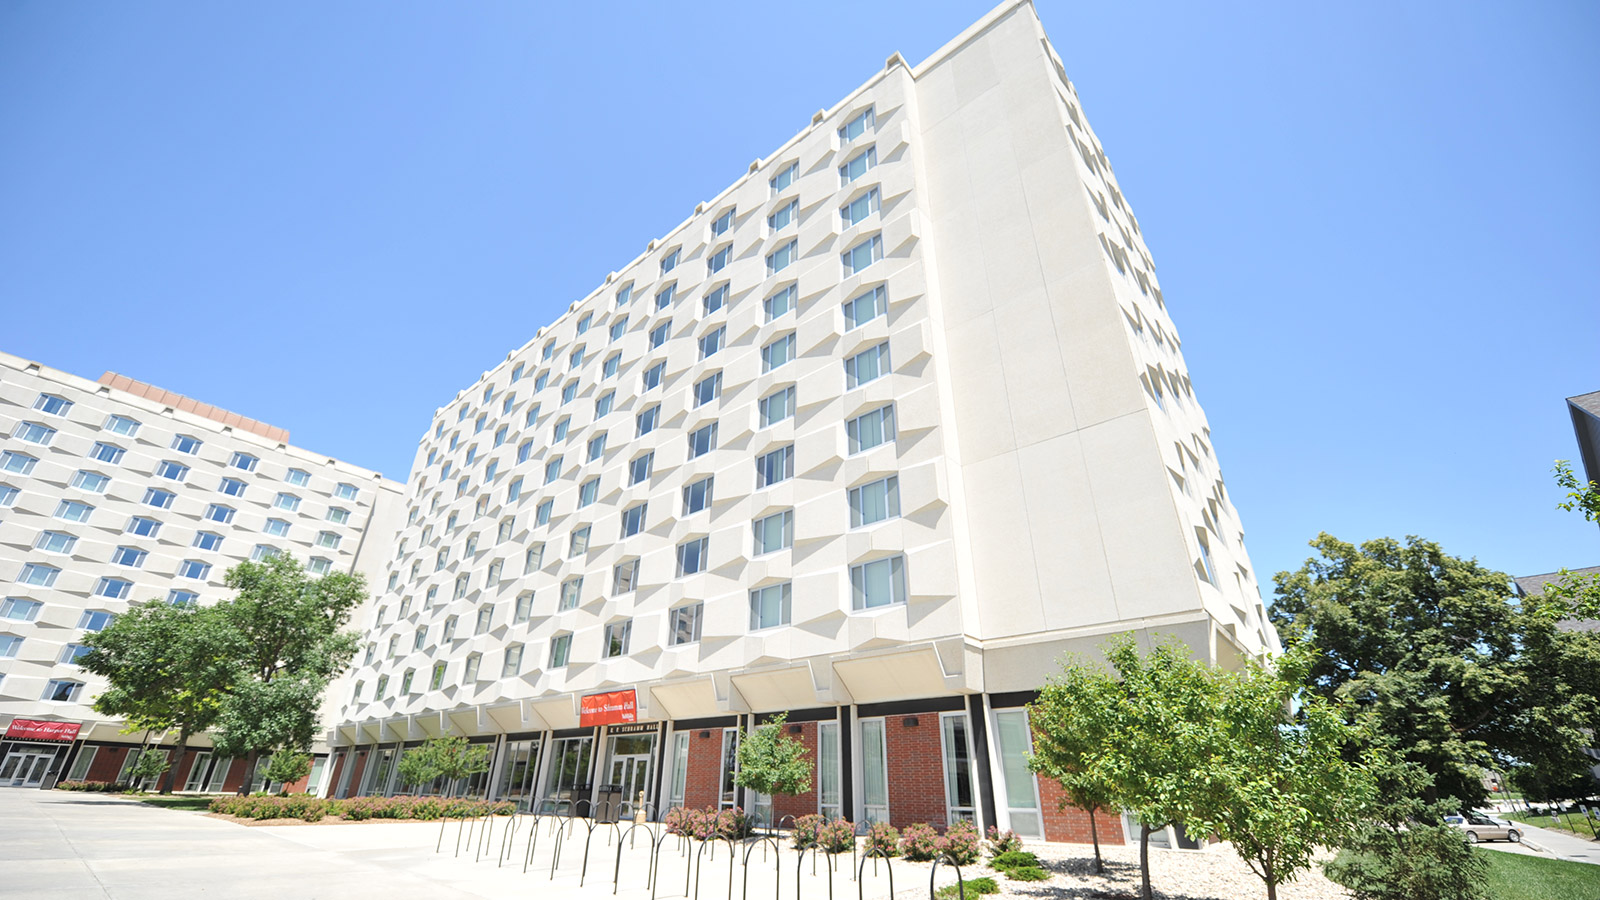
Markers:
<point>116,492</point>
<point>873,437</point>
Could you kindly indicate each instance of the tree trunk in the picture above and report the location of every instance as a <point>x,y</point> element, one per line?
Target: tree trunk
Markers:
<point>1094,833</point>
<point>1144,862</point>
<point>170,777</point>
<point>1271,873</point>
<point>249,772</point>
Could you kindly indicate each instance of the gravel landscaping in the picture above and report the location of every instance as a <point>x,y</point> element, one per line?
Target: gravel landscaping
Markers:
<point>1215,873</point>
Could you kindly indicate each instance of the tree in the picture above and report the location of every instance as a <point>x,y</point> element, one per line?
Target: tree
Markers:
<point>1281,784</point>
<point>450,758</point>
<point>288,766</point>
<point>1430,650</point>
<point>168,667</point>
<point>1073,721</point>
<point>289,625</point>
<point>771,762</point>
<point>1577,596</point>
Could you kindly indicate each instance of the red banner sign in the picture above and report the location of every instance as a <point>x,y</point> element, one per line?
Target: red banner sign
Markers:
<point>609,708</point>
<point>39,730</point>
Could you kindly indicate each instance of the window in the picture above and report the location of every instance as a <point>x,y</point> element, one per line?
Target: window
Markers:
<point>131,557</point>
<point>22,463</point>
<point>503,534</point>
<point>775,466</point>
<point>500,434</point>
<point>769,606</point>
<point>665,296</point>
<point>719,260</point>
<point>513,661</point>
<point>692,556</point>
<point>1015,744</point>
<point>616,638</point>
<point>506,404</point>
<point>122,425</point>
<point>713,341</point>
<point>194,568</point>
<point>420,639</point>
<point>346,492</point>
<point>571,592</point>
<point>442,560</point>
<point>785,177</point>
<point>319,566</point>
<point>328,540</point>
<point>533,414</point>
<point>862,255</point>
<point>33,433</point>
<point>858,210</point>
<point>867,365</point>
<point>588,492</point>
<point>9,644</point>
<point>784,217</point>
<point>524,451</point>
<point>866,307</point>
<point>541,514</point>
<point>485,619</point>
<point>560,649</point>
<point>287,502</point>
<point>477,427</point>
<point>870,429</point>
<point>858,165</point>
<point>781,302</point>
<point>685,623</point>
<point>647,420</point>
<point>463,584</point>
<point>715,300</point>
<point>381,688</point>
<point>702,440</point>
<point>523,611</point>
<point>721,224</point>
<point>73,511</point>
<point>652,375</point>
<point>449,632</point>
<point>597,447</point>
<point>779,259</point>
<point>516,371</point>
<point>619,328</point>
<point>338,515</point>
<point>406,679</point>
<point>19,610</point>
<point>57,542</point>
<point>263,552</point>
<point>602,407</point>
<point>569,392</point>
<point>578,543</point>
<point>145,527</point>
<point>243,461</point>
<point>633,520</point>
<point>777,353</point>
<point>543,378</point>
<point>613,362</point>
<point>697,496</point>
<point>299,477</point>
<point>583,323</point>
<point>95,620</point>
<point>233,487</point>
<point>469,672</point>
<point>184,443</point>
<point>1206,570</point>
<point>878,583</point>
<point>277,528</point>
<point>957,754</point>
<point>62,691</point>
<point>777,406</point>
<point>625,576</point>
<point>670,261</point>
<point>8,495</point>
<point>658,336</point>
<point>216,512</point>
<point>112,588</point>
<point>625,294</point>
<point>774,532</point>
<point>858,125</point>
<point>552,470</point>
<point>436,680</point>
<point>875,501</point>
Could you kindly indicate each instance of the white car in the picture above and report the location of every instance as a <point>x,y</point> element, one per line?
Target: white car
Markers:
<point>1483,827</point>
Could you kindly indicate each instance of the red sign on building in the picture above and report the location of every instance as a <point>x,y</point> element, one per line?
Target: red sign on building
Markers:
<point>609,708</point>
<point>40,730</point>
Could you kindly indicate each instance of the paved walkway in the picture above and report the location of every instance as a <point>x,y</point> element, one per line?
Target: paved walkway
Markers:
<point>1546,842</point>
<point>55,844</point>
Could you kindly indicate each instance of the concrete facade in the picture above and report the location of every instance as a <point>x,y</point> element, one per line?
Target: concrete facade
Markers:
<point>679,490</point>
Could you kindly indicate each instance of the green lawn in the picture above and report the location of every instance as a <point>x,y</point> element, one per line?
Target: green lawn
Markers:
<point>195,803</point>
<point>1516,877</point>
<point>1580,823</point>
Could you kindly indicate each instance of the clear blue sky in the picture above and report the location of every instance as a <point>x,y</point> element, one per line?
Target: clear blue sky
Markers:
<point>1375,223</point>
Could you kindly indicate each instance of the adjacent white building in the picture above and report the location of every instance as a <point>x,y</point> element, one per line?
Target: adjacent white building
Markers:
<point>875,436</point>
<point>117,492</point>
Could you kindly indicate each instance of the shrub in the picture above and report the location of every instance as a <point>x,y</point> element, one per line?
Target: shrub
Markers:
<point>974,887</point>
<point>356,809</point>
<point>1013,859</point>
<point>837,836</point>
<point>733,824</point>
<point>961,843</point>
<point>1028,873</point>
<point>1424,862</point>
<point>805,831</point>
<point>92,786</point>
<point>1003,841</point>
<point>882,837</point>
<point>919,843</point>
<point>677,820</point>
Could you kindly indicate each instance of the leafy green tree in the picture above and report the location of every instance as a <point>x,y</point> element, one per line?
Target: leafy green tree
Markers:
<point>450,758</point>
<point>1280,784</point>
<point>1073,721</point>
<point>288,766</point>
<point>1426,647</point>
<point>292,643</point>
<point>771,762</point>
<point>150,764</point>
<point>167,667</point>
<point>1576,596</point>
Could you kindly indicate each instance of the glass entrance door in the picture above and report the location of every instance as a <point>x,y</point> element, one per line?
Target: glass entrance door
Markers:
<point>629,770</point>
<point>26,768</point>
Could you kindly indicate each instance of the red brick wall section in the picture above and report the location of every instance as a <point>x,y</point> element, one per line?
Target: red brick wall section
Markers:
<point>800,804</point>
<point>107,763</point>
<point>355,773</point>
<point>916,770</point>
<point>235,779</point>
<point>705,768</point>
<point>181,769</point>
<point>1070,823</point>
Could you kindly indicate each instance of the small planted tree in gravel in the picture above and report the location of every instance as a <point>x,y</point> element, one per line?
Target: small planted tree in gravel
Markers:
<point>771,762</point>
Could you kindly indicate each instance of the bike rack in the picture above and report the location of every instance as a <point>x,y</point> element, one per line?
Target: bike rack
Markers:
<point>875,853</point>
<point>733,859</point>
<point>777,866</point>
<point>616,870</point>
<point>961,883</point>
